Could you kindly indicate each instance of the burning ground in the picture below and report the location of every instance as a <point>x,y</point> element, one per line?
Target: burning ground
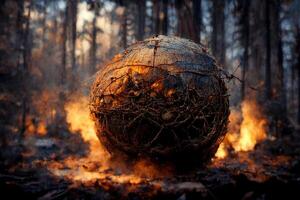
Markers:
<point>50,49</point>
<point>251,163</point>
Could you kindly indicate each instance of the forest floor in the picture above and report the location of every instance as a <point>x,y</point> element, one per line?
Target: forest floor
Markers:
<point>271,171</point>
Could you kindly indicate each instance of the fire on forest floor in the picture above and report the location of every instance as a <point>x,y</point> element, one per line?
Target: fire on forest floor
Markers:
<point>247,127</point>
<point>78,158</point>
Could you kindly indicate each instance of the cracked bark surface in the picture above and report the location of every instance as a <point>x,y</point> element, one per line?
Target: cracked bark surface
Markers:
<point>163,98</point>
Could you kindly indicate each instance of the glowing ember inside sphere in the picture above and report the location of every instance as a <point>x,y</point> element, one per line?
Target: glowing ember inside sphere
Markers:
<point>164,99</point>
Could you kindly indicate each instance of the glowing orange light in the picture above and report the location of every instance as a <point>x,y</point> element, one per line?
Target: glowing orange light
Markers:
<point>244,136</point>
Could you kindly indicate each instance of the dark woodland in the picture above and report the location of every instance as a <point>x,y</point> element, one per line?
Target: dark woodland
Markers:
<point>53,51</point>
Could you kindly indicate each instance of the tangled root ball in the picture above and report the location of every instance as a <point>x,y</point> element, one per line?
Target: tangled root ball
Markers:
<point>163,98</point>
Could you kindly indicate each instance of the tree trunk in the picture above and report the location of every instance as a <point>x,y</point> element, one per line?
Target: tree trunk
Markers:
<point>185,24</point>
<point>26,45</point>
<point>64,45</point>
<point>23,118</point>
<point>20,33</point>
<point>141,19</point>
<point>94,39</point>
<point>165,19</point>
<point>282,89</point>
<point>124,28</point>
<point>155,15</point>
<point>268,83</point>
<point>298,67</point>
<point>73,18</point>
<point>82,58</point>
<point>297,50</point>
<point>245,37</point>
<point>160,17</point>
<point>218,32</point>
<point>55,24</point>
<point>44,25</point>
<point>197,16</point>
<point>26,51</point>
<point>293,76</point>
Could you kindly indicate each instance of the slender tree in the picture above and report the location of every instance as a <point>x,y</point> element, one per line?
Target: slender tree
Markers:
<point>155,16</point>
<point>64,38</point>
<point>26,55</point>
<point>95,30</point>
<point>11,31</point>
<point>218,31</point>
<point>268,83</point>
<point>141,4</point>
<point>124,27</point>
<point>185,24</point>
<point>160,16</point>
<point>20,31</point>
<point>73,6</point>
<point>297,66</point>
<point>164,19</point>
<point>242,11</point>
<point>197,16</point>
<point>26,42</point>
<point>280,77</point>
<point>44,24</point>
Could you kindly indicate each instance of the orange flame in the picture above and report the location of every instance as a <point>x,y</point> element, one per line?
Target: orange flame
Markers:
<point>221,153</point>
<point>38,128</point>
<point>97,165</point>
<point>244,136</point>
<point>80,121</point>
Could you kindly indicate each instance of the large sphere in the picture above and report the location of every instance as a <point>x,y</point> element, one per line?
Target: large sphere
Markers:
<point>164,99</point>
